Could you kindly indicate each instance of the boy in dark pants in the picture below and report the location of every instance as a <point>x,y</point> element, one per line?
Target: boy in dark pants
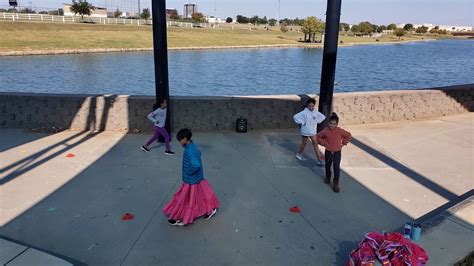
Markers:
<point>333,138</point>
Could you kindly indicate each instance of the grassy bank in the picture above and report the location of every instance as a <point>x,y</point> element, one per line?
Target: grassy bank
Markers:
<point>27,36</point>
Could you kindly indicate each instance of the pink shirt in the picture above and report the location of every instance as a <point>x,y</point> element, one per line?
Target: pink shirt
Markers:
<point>333,139</point>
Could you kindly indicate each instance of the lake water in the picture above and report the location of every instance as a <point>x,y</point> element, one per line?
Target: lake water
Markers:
<point>245,71</point>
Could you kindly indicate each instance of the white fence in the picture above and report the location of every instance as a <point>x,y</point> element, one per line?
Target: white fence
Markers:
<point>75,19</point>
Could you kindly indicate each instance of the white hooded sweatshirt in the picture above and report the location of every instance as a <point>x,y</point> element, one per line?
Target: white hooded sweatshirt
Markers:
<point>308,121</point>
<point>158,117</point>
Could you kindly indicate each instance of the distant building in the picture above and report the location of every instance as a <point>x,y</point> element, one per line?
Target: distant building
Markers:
<point>99,12</point>
<point>455,28</point>
<point>441,27</point>
<point>170,11</point>
<point>212,19</point>
<point>122,14</point>
<point>189,9</point>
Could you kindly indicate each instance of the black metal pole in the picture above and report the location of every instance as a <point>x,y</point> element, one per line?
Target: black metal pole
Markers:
<point>328,72</point>
<point>160,53</point>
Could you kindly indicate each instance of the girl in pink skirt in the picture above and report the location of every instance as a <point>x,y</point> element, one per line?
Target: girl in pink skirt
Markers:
<point>195,198</point>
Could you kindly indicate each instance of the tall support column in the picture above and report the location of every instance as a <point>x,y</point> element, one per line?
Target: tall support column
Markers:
<point>160,53</point>
<point>328,72</point>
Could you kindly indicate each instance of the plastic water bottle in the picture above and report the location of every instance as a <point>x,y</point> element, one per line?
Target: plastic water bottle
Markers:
<point>407,230</point>
<point>416,232</point>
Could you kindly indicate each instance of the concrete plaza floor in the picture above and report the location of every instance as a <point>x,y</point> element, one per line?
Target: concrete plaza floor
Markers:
<point>64,195</point>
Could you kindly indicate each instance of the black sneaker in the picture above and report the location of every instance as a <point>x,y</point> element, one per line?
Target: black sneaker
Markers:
<point>207,217</point>
<point>175,223</point>
<point>145,149</point>
<point>169,152</point>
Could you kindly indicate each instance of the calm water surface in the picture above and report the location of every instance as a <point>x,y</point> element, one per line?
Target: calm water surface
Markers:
<point>245,71</point>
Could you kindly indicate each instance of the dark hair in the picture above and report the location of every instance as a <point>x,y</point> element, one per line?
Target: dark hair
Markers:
<point>184,133</point>
<point>334,117</point>
<point>158,104</point>
<point>310,100</point>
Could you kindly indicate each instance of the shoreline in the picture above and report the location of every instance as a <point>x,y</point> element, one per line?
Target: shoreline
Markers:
<point>260,46</point>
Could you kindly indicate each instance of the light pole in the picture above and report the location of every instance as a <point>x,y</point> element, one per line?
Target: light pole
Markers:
<point>139,9</point>
<point>278,15</point>
<point>160,54</point>
<point>328,71</point>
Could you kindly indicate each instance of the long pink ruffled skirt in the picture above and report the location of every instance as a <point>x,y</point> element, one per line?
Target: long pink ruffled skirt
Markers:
<point>191,202</point>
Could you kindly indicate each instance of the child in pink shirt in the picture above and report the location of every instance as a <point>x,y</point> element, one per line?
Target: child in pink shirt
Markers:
<point>333,138</point>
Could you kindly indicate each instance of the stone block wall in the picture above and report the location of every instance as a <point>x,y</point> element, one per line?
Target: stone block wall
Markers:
<point>387,106</point>
<point>128,113</point>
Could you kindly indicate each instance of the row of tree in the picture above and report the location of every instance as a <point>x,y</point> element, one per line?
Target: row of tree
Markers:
<point>271,22</point>
<point>368,28</point>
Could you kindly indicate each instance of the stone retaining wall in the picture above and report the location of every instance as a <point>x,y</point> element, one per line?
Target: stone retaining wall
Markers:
<point>128,113</point>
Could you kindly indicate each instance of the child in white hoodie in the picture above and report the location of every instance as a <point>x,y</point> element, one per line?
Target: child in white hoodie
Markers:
<point>158,117</point>
<point>309,119</point>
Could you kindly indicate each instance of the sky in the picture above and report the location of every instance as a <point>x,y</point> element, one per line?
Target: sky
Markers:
<point>439,12</point>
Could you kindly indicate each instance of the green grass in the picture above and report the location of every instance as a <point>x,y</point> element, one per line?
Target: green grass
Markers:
<point>28,36</point>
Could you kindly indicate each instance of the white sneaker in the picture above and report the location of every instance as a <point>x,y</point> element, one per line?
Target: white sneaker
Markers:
<point>207,217</point>
<point>175,223</point>
<point>300,157</point>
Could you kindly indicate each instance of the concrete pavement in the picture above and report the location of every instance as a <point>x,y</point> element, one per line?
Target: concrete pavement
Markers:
<point>65,194</point>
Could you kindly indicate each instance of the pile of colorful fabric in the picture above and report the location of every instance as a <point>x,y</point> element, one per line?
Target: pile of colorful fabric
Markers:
<point>389,249</point>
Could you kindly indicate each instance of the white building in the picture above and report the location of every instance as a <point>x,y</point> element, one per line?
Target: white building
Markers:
<point>212,19</point>
<point>122,14</point>
<point>441,27</point>
<point>455,28</point>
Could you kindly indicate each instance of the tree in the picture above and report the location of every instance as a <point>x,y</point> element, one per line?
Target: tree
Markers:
<point>228,20</point>
<point>391,26</point>
<point>298,22</point>
<point>82,8</point>
<point>117,13</point>
<point>145,14</point>
<point>381,28</point>
<point>272,22</point>
<point>254,20</point>
<point>310,27</point>
<point>285,20</point>
<point>355,28</point>
<point>197,17</point>
<point>242,19</point>
<point>174,15</point>
<point>344,27</point>
<point>399,32</point>
<point>435,30</point>
<point>422,29</point>
<point>366,28</point>
<point>408,27</point>
<point>27,10</point>
<point>284,26</point>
